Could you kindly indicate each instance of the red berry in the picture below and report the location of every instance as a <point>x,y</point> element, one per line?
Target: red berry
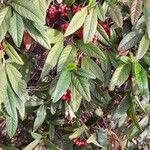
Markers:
<point>52,12</point>
<point>76,8</point>
<point>66,96</point>
<point>63,10</point>
<point>64,26</point>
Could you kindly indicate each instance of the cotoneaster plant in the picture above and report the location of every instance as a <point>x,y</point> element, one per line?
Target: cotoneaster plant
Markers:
<point>74,74</point>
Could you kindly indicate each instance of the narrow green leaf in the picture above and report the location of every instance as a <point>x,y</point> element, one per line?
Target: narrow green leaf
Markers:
<point>120,76</point>
<point>62,85</point>
<point>16,29</point>
<point>143,47</point>
<point>42,5</point>
<point>52,58</point>
<point>11,116</point>
<point>90,26</point>
<point>64,57</point>
<point>77,21</point>
<point>146,12</point>
<point>75,99</point>
<point>116,15</point>
<point>100,12</point>
<point>130,40</point>
<point>39,35</point>
<point>3,83</point>
<point>141,80</point>
<point>135,10</point>
<point>91,50</point>
<point>132,115</point>
<point>92,67</point>
<point>5,15</point>
<point>84,73</point>
<point>40,117</point>
<point>17,83</point>
<point>28,10</point>
<point>82,86</point>
<point>11,124</point>
<point>13,55</point>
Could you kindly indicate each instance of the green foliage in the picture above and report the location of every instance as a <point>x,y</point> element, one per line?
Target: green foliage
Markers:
<point>82,76</point>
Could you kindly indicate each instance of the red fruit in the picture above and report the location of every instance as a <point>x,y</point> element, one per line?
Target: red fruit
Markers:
<point>63,10</point>
<point>105,27</point>
<point>64,26</point>
<point>52,12</point>
<point>66,96</point>
<point>76,8</point>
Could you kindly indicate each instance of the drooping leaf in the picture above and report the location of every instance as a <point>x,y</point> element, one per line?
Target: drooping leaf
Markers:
<point>16,28</point>
<point>11,124</point>
<point>132,115</point>
<point>52,58</point>
<point>82,86</point>
<point>77,21</point>
<point>84,73</point>
<point>38,35</point>
<point>17,83</point>
<point>143,47</point>
<point>13,55</point>
<point>120,76</point>
<point>100,12</point>
<point>11,116</point>
<point>146,12</point>
<point>3,83</point>
<point>28,10</point>
<point>42,5</point>
<point>116,15</point>
<point>135,10</point>
<point>64,57</point>
<point>40,117</point>
<point>130,40</point>
<point>141,80</point>
<point>92,67</point>
<point>5,15</point>
<point>75,99</point>
<point>90,26</point>
<point>62,85</point>
<point>91,50</point>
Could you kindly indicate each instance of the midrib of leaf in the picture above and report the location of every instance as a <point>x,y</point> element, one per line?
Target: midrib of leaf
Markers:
<point>80,83</point>
<point>90,26</point>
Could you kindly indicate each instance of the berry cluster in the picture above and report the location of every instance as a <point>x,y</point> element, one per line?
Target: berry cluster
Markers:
<point>80,142</point>
<point>66,96</point>
<point>63,9</point>
<point>57,15</point>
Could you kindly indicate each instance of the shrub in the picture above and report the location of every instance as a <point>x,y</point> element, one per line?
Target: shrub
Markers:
<point>74,74</point>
